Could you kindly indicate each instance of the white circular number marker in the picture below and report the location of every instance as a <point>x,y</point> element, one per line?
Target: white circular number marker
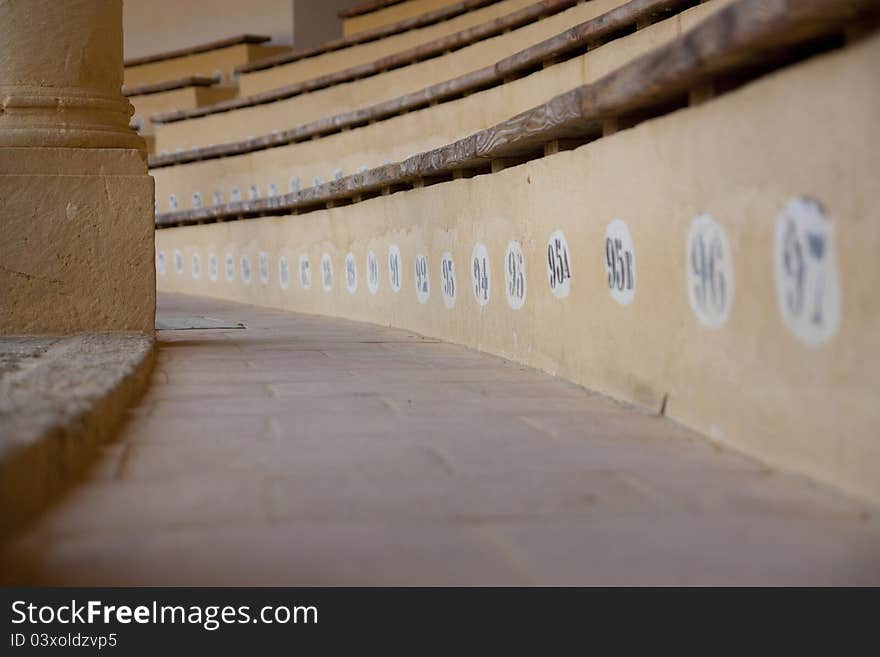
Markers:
<point>230,267</point>
<point>327,272</point>
<point>620,262</point>
<point>263,263</point>
<point>212,267</point>
<point>709,265</point>
<point>480,276</point>
<point>245,270</point>
<point>447,279</point>
<point>372,273</point>
<point>161,264</point>
<point>305,272</point>
<point>423,284</point>
<point>283,273</point>
<point>558,265</point>
<point>351,273</point>
<point>178,261</point>
<point>515,275</point>
<point>394,267</point>
<point>807,286</point>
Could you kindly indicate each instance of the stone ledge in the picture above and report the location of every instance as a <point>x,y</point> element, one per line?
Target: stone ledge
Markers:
<point>60,397</point>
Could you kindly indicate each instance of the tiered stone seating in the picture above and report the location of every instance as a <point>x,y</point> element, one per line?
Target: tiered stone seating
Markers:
<point>378,13</point>
<point>689,225</point>
<point>447,111</point>
<point>188,92</point>
<point>449,27</point>
<point>359,83</point>
<point>190,77</point>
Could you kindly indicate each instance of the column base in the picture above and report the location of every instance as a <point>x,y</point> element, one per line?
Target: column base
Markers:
<point>76,241</point>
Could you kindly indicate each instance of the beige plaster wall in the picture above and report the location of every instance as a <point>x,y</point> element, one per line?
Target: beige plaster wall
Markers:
<point>262,119</point>
<point>317,22</point>
<point>751,383</point>
<point>305,69</point>
<point>399,137</point>
<point>391,14</point>
<point>156,26</point>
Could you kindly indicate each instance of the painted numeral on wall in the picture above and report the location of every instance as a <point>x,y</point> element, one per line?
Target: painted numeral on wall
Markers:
<point>515,275</point>
<point>305,272</point>
<point>263,264</point>
<point>559,265</point>
<point>423,284</point>
<point>480,274</point>
<point>327,272</point>
<point>709,266</point>
<point>620,262</point>
<point>372,273</point>
<point>283,273</point>
<point>245,270</point>
<point>351,274</point>
<point>394,267</point>
<point>447,279</point>
<point>807,285</point>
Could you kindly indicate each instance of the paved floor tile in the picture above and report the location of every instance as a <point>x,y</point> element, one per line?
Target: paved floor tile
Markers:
<point>315,451</point>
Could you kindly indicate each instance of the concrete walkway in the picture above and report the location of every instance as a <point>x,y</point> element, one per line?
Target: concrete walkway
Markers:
<point>314,451</point>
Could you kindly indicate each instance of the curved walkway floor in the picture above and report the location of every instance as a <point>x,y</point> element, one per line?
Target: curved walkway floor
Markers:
<point>315,451</point>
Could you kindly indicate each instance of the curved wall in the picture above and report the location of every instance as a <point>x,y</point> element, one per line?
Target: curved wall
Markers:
<point>760,327</point>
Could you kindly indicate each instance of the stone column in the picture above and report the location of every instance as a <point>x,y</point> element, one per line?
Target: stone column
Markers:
<point>76,202</point>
